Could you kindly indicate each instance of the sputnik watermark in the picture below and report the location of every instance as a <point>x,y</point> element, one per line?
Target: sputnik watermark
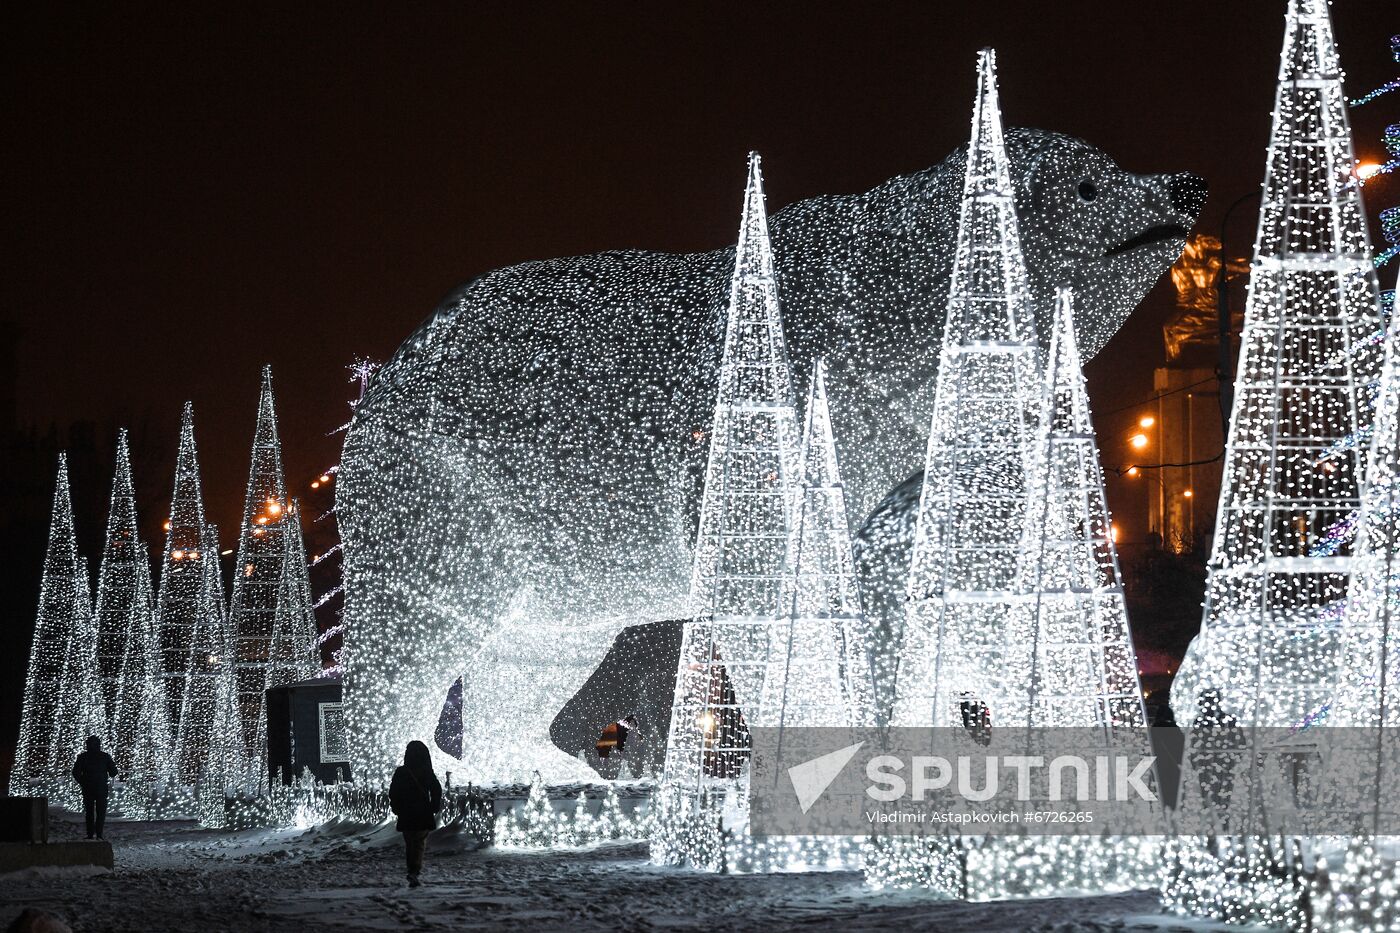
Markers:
<point>810,779</point>
<point>981,779</point>
<point>843,781</point>
<point>1101,778</point>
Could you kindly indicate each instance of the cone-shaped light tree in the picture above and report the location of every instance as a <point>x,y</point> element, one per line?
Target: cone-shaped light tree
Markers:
<point>142,738</point>
<point>968,537</point>
<point>268,538</point>
<point>117,582</point>
<point>741,548</point>
<point>1078,656</point>
<point>190,616</point>
<point>223,757</point>
<point>1069,660</point>
<point>80,710</point>
<point>62,704</point>
<point>745,516</point>
<point>819,659</point>
<point>125,611</point>
<point>140,725</point>
<point>1370,660</point>
<point>292,655</point>
<point>202,723</point>
<point>1268,654</point>
<point>1305,385</point>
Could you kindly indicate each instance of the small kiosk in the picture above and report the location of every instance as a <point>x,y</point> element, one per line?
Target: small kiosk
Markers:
<point>306,729</point>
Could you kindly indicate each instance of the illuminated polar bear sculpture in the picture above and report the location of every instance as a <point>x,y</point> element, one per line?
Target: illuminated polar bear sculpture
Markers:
<point>521,480</point>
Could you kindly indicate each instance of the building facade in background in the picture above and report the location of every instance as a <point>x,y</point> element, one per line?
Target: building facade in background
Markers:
<point>1184,426</point>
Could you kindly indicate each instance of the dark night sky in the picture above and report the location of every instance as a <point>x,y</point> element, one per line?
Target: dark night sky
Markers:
<point>191,191</point>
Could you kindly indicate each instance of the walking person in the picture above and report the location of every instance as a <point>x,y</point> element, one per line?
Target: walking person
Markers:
<point>415,796</point>
<point>91,771</point>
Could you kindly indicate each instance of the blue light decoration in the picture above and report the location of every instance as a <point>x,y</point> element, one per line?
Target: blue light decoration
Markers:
<point>1384,88</point>
<point>1390,217</point>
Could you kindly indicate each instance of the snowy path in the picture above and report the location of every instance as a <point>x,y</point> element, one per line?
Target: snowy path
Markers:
<point>176,877</point>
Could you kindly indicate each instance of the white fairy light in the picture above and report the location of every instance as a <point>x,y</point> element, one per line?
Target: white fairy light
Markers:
<point>779,639</point>
<point>119,587</point>
<point>1370,655</point>
<point>80,708</point>
<point>818,670</point>
<point>741,547</point>
<point>225,759</point>
<point>537,825</point>
<point>209,740</point>
<point>1370,643</point>
<point>1356,892</point>
<point>293,654</point>
<point>1083,670</point>
<point>1070,652</point>
<point>148,752</point>
<point>1016,608</point>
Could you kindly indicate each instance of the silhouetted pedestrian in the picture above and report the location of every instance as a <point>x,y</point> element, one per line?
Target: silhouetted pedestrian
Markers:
<point>91,771</point>
<point>415,796</point>
<point>1169,745</point>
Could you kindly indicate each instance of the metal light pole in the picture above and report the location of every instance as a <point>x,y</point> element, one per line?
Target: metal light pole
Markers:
<point>1224,372</point>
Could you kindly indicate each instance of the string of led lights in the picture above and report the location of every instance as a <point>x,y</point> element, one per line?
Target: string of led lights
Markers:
<point>1384,88</point>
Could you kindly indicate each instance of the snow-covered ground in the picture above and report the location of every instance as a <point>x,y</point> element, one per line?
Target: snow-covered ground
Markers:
<point>174,876</point>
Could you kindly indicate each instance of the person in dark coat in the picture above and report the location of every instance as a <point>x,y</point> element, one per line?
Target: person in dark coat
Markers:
<point>91,771</point>
<point>415,796</point>
<point>1169,745</point>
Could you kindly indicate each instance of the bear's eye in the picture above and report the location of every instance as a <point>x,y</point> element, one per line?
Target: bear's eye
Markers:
<point>1088,190</point>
